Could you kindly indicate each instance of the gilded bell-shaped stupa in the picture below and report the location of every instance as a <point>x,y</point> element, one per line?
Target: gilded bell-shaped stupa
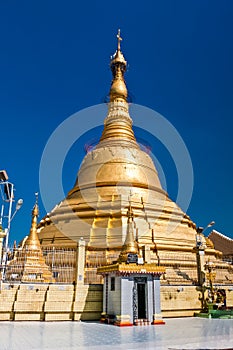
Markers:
<point>96,207</point>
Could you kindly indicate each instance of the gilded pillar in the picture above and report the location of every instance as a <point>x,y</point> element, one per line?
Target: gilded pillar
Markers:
<point>146,254</point>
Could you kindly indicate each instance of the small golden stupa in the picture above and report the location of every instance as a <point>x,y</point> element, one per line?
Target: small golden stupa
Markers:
<point>28,264</point>
<point>130,246</point>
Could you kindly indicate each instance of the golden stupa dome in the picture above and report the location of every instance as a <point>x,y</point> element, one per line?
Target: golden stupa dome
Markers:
<point>116,169</point>
<point>117,166</point>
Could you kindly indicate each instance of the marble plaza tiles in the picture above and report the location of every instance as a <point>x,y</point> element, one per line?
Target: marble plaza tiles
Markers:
<point>183,333</point>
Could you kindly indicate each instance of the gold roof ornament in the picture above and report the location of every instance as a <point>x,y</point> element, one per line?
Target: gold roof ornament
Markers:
<point>130,246</point>
<point>129,269</point>
<point>118,64</point>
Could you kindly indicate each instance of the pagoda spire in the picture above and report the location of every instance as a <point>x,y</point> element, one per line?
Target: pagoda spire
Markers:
<point>118,124</point>
<point>118,64</point>
<point>32,241</point>
<point>130,246</point>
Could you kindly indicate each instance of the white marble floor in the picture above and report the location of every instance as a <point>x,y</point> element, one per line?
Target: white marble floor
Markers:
<point>183,333</point>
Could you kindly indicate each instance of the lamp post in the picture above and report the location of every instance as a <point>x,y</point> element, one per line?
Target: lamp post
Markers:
<point>7,196</point>
<point>200,232</point>
<point>210,275</point>
<point>200,253</point>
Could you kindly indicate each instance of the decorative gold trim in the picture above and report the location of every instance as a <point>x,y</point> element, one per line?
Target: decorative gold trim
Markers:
<point>114,184</point>
<point>131,268</point>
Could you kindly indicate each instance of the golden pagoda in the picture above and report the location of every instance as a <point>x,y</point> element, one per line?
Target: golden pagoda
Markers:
<point>28,263</point>
<point>96,208</point>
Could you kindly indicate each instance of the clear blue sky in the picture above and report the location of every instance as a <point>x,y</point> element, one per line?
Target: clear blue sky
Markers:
<point>54,61</point>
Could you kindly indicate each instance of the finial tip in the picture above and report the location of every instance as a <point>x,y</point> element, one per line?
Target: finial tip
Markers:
<point>119,38</point>
<point>36,195</point>
<point>35,210</point>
